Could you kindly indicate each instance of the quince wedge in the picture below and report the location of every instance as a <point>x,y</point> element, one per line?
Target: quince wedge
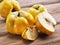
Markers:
<point>30,33</point>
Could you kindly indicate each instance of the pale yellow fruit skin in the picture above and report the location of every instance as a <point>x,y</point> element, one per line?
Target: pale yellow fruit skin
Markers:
<point>16,5</point>
<point>0,7</point>
<point>10,24</point>
<point>16,25</point>
<point>29,17</point>
<point>24,35</point>
<point>6,8</point>
<point>34,11</point>
<point>20,25</point>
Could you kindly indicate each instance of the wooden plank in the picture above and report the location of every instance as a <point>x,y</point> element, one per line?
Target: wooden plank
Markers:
<point>25,3</point>
<point>2,20</point>
<point>54,9</point>
<point>3,30</point>
<point>13,40</point>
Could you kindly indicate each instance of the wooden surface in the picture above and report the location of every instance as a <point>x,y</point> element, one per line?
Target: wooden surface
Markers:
<point>53,6</point>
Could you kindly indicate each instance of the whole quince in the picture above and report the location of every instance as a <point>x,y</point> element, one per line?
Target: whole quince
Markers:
<point>7,6</point>
<point>17,22</point>
<point>36,9</point>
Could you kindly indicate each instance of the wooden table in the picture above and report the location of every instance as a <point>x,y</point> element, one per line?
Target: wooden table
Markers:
<point>53,6</point>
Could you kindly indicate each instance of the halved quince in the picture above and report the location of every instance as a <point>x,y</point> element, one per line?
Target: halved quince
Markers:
<point>45,23</point>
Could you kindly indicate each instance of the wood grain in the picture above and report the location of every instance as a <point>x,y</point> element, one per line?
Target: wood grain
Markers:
<point>53,7</point>
<point>25,3</point>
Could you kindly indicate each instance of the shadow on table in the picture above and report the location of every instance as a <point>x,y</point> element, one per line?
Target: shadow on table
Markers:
<point>20,39</point>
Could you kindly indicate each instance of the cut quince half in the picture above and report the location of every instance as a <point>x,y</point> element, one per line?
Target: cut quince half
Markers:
<point>45,23</point>
<point>30,33</point>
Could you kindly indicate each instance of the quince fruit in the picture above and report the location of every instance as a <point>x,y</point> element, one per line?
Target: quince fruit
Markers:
<point>45,23</point>
<point>30,33</point>
<point>8,6</point>
<point>16,24</point>
<point>36,9</point>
